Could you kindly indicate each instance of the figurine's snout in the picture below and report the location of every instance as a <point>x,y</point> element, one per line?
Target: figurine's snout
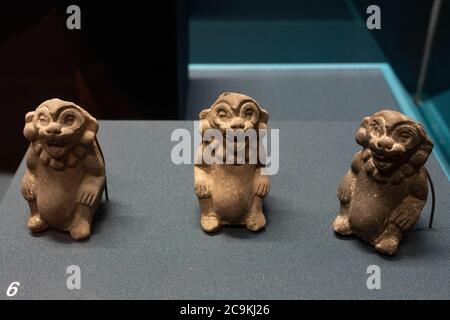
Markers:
<point>384,144</point>
<point>237,123</point>
<point>53,128</point>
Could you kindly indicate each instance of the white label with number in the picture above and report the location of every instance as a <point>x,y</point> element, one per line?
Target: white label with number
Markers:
<point>13,289</point>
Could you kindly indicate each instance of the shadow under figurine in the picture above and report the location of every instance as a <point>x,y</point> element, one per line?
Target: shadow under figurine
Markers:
<point>384,192</point>
<point>65,174</point>
<point>231,194</point>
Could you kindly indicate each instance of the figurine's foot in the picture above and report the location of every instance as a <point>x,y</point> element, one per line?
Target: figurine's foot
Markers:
<point>255,221</point>
<point>388,245</point>
<point>81,230</point>
<point>36,224</point>
<point>342,226</point>
<point>210,223</point>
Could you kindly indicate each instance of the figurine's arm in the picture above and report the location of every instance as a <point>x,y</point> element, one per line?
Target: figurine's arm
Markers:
<point>261,183</point>
<point>93,181</point>
<point>347,185</point>
<point>29,183</point>
<point>201,181</point>
<point>408,211</point>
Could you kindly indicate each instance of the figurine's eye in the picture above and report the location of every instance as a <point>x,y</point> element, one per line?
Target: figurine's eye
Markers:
<point>248,114</point>
<point>404,136</point>
<point>222,114</point>
<point>376,129</point>
<point>43,120</point>
<point>69,120</point>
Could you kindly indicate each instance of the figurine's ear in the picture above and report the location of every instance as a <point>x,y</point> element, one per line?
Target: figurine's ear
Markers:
<point>263,118</point>
<point>28,131</point>
<point>90,130</point>
<point>203,114</point>
<point>204,120</point>
<point>361,135</point>
<point>419,158</point>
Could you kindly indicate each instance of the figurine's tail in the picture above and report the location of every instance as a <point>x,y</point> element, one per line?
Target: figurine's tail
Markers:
<point>433,198</point>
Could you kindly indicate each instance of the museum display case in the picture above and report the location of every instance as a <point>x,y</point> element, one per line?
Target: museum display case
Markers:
<point>310,74</point>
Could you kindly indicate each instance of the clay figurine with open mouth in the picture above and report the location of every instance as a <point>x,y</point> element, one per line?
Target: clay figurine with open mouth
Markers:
<point>65,175</point>
<point>385,190</point>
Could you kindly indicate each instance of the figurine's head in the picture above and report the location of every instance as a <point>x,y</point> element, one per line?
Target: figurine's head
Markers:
<point>59,126</point>
<point>234,111</point>
<point>392,140</point>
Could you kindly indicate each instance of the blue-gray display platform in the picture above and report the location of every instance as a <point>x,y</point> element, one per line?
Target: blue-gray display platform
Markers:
<point>5,180</point>
<point>147,242</point>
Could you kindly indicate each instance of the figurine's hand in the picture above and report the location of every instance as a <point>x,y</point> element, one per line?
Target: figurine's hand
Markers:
<point>344,194</point>
<point>88,195</point>
<point>28,187</point>
<point>262,186</point>
<point>404,220</point>
<point>202,189</point>
<point>28,193</point>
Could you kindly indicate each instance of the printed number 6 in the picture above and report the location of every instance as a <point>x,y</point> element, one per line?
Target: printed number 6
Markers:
<point>12,289</point>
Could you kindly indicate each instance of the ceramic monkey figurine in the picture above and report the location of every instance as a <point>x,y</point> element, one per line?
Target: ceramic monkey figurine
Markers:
<point>65,175</point>
<point>231,193</point>
<point>384,192</point>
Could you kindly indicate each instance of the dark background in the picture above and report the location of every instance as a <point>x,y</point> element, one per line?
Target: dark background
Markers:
<point>402,37</point>
<point>128,61</point>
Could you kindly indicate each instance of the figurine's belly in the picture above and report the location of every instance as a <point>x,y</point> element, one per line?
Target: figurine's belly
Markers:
<point>370,209</point>
<point>57,199</point>
<point>368,217</point>
<point>232,191</point>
